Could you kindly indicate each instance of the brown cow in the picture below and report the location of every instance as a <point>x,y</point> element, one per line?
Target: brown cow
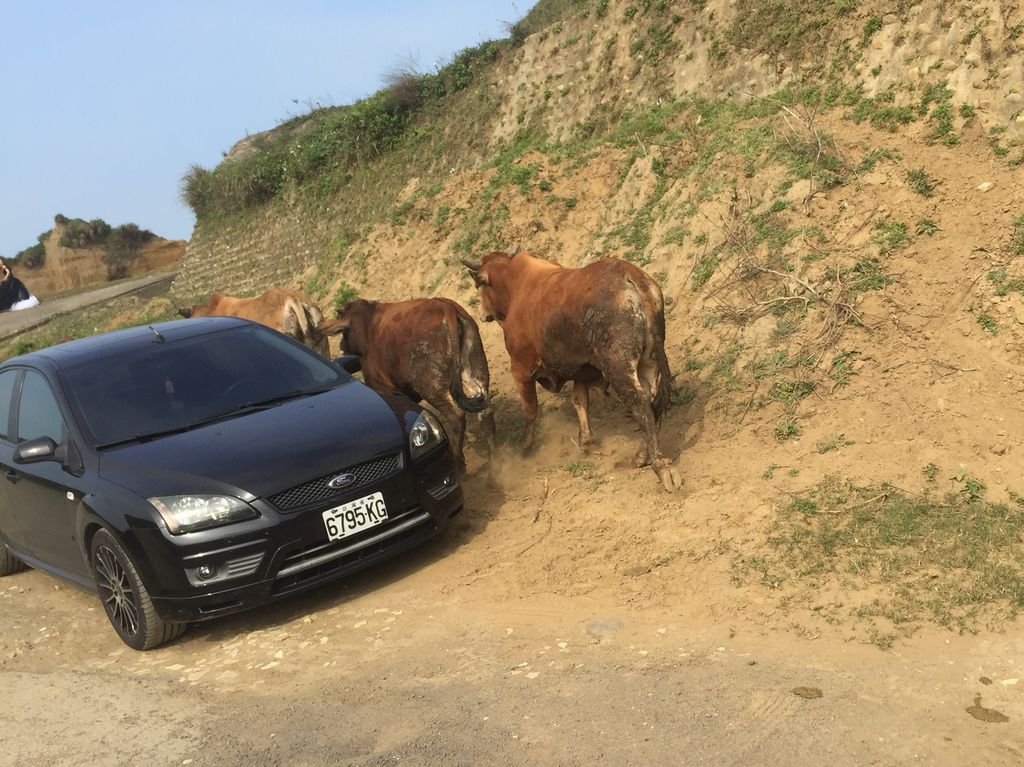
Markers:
<point>286,310</point>
<point>599,325</point>
<point>426,349</point>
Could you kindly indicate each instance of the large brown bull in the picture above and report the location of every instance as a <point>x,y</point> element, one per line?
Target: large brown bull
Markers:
<point>426,349</point>
<point>599,325</point>
<point>286,310</point>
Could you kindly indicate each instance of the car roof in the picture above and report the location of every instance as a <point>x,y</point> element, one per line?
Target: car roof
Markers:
<point>124,341</point>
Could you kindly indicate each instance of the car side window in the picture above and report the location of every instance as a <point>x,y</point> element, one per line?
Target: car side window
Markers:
<point>7,379</point>
<point>38,414</point>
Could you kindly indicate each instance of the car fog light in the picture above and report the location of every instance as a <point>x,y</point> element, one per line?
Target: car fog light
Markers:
<point>205,572</point>
<point>444,487</point>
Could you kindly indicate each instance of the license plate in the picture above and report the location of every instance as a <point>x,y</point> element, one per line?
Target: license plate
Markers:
<point>360,514</point>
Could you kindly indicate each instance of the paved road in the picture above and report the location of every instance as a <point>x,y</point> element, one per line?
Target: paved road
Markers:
<point>13,323</point>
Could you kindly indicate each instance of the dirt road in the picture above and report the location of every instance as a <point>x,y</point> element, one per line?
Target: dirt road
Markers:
<point>432,661</point>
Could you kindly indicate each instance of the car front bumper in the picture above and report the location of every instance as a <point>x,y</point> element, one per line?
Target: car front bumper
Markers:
<point>288,553</point>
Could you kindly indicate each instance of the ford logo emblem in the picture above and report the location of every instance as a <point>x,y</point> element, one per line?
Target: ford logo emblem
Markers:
<point>341,481</point>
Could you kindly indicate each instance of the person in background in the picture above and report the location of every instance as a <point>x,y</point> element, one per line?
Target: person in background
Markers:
<point>13,293</point>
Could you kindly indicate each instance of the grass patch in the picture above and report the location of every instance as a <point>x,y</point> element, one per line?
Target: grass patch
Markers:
<point>834,442</point>
<point>1004,285</point>
<point>920,182</point>
<point>875,156</point>
<point>890,236</point>
<point>988,323</point>
<point>786,429</point>
<point>1017,238</point>
<point>954,561</point>
<point>865,275</point>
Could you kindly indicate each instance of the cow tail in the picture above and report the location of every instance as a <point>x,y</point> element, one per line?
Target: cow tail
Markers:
<point>317,340</point>
<point>654,305</point>
<point>470,377</point>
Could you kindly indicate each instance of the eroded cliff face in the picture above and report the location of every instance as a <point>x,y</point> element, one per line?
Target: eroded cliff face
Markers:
<point>67,269</point>
<point>591,68</point>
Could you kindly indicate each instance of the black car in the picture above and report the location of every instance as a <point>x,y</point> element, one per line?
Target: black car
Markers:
<point>191,469</point>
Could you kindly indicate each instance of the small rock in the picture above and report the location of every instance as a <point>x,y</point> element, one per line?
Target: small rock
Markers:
<point>807,692</point>
<point>999,449</point>
<point>984,186</point>
<point>984,680</point>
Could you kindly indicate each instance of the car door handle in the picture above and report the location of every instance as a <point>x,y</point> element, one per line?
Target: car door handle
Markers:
<point>11,475</point>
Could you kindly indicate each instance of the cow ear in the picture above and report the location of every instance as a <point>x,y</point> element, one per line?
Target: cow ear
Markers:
<point>185,311</point>
<point>480,278</point>
<point>333,327</point>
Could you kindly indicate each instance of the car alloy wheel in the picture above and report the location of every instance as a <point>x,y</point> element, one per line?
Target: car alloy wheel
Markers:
<point>8,562</point>
<point>125,597</point>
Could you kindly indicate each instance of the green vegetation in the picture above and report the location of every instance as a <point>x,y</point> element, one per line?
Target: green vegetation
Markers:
<point>319,152</point>
<point>872,158</point>
<point>988,323</point>
<point>786,429</point>
<point>834,442</point>
<point>920,182</point>
<point>344,294</point>
<point>890,236</point>
<point>954,561</point>
<point>34,256</point>
<point>786,29</point>
<point>1017,239</point>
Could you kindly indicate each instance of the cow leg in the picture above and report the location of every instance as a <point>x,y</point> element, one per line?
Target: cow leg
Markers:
<point>638,399</point>
<point>487,427</point>
<point>454,422</point>
<point>581,401</point>
<point>527,388</point>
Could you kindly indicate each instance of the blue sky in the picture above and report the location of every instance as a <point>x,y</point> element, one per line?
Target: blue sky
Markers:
<point>106,104</point>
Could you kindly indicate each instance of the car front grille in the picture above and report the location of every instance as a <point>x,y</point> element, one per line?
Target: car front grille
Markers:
<point>318,490</point>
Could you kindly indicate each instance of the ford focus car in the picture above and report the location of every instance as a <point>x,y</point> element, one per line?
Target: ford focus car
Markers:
<point>191,469</point>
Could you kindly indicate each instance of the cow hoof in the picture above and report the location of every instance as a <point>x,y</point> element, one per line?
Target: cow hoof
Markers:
<point>669,477</point>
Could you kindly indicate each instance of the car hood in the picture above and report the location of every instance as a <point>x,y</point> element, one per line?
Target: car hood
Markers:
<point>264,452</point>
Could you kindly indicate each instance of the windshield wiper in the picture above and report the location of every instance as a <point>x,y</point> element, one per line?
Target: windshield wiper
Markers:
<point>263,404</point>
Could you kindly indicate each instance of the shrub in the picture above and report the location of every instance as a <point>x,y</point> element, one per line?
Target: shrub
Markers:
<point>83,234</point>
<point>122,248</point>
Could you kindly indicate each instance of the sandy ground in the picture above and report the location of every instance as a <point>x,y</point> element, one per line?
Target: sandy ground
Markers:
<point>428,661</point>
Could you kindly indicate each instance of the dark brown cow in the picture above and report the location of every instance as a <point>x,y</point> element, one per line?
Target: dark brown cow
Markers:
<point>286,310</point>
<point>426,349</point>
<point>599,325</point>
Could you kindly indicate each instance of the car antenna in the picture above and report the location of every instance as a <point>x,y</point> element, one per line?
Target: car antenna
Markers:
<point>159,336</point>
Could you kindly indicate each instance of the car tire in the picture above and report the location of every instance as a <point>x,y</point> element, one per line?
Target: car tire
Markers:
<point>125,598</point>
<point>8,562</point>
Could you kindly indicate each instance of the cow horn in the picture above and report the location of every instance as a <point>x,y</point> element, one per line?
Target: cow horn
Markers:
<point>515,249</point>
<point>473,266</point>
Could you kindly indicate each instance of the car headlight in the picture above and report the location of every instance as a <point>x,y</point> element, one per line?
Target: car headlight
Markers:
<point>187,513</point>
<point>425,435</point>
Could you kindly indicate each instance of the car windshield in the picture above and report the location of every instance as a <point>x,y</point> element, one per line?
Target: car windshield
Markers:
<point>180,384</point>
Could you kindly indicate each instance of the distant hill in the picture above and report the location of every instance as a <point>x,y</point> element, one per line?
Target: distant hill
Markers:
<point>76,253</point>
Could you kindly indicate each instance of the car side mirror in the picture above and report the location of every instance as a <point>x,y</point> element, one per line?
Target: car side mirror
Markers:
<point>350,363</point>
<point>36,450</point>
<point>45,449</point>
